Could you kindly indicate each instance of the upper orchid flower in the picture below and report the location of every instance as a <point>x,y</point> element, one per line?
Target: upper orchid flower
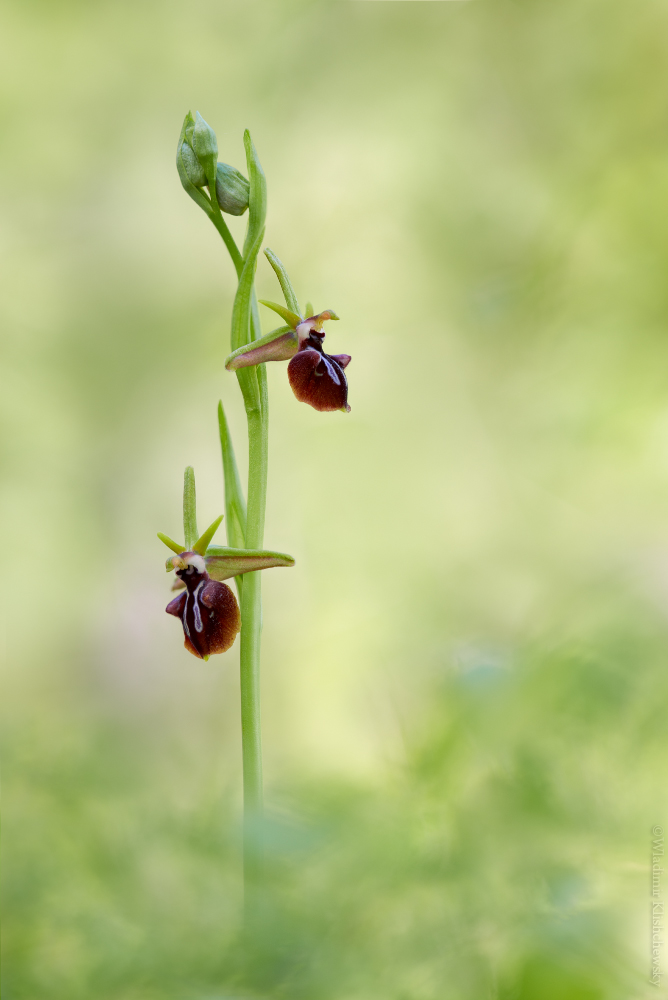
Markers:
<point>315,377</point>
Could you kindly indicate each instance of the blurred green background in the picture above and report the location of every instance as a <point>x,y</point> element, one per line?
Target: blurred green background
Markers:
<point>465,677</point>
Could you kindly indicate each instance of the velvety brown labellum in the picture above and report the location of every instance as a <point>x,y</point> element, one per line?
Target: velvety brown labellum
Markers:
<point>208,611</point>
<point>317,378</point>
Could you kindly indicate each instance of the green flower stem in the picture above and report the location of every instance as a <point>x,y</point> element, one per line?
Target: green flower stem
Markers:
<point>253,385</point>
<point>246,326</point>
<point>251,624</point>
<point>228,239</point>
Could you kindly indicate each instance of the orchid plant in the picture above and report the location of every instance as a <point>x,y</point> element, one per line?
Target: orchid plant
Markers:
<point>206,606</point>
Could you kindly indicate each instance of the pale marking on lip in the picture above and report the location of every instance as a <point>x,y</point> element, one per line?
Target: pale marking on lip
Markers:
<point>185,615</point>
<point>196,611</point>
<point>331,368</point>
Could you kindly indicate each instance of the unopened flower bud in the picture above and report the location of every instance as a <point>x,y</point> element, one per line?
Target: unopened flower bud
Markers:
<point>205,144</point>
<point>232,189</point>
<point>192,166</point>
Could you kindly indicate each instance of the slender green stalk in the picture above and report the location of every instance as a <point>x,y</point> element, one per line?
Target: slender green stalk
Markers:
<point>245,325</point>
<point>228,239</point>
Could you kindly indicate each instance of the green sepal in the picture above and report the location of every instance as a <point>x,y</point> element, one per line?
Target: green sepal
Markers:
<point>202,542</point>
<point>171,544</point>
<point>285,344</point>
<point>309,310</point>
<point>292,319</point>
<point>284,280</point>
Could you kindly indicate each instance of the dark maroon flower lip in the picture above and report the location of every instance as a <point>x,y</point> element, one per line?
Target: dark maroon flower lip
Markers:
<point>208,609</point>
<point>318,378</point>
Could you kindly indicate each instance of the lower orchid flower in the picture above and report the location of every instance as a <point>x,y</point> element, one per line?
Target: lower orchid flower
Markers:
<point>315,377</point>
<point>208,609</point>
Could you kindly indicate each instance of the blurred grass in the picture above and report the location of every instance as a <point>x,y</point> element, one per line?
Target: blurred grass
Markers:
<point>465,675</point>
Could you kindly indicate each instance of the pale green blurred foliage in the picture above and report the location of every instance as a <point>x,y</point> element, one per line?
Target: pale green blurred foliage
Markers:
<point>465,674</point>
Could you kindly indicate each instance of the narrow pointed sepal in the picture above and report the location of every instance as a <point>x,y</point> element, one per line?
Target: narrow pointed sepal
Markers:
<point>171,544</point>
<point>202,543</point>
<point>291,318</point>
<point>279,345</point>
